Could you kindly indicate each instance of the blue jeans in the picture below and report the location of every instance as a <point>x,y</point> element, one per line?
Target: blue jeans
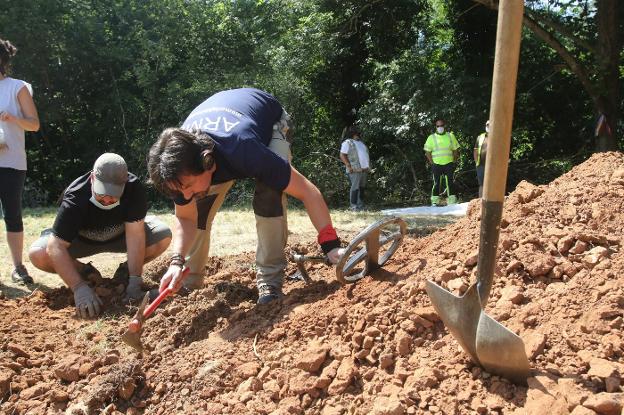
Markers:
<point>356,192</point>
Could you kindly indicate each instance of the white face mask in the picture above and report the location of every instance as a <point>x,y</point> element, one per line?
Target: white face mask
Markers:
<point>101,206</point>
<point>487,128</point>
<point>440,130</point>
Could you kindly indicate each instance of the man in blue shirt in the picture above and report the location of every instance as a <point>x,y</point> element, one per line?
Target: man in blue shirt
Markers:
<point>234,134</point>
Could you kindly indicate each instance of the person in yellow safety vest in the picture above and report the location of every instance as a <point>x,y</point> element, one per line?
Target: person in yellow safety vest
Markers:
<point>441,150</point>
<point>479,153</point>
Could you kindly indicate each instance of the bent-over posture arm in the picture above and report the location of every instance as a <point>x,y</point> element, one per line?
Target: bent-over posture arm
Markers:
<point>87,302</point>
<point>310,195</point>
<point>135,245</point>
<point>62,262</point>
<point>184,230</point>
<point>184,227</point>
<point>315,205</point>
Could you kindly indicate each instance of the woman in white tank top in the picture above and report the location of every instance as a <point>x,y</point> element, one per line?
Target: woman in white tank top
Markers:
<point>17,115</point>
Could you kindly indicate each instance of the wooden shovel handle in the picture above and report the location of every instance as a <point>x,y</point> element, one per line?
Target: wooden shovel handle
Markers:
<point>508,34</point>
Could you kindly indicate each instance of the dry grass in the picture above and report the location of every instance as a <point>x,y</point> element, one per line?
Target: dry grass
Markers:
<point>233,232</point>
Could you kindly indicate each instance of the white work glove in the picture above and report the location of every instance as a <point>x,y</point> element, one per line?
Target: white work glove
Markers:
<point>173,278</point>
<point>133,289</point>
<point>87,302</point>
<point>335,255</point>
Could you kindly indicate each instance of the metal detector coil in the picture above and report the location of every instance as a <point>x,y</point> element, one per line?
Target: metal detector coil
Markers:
<point>362,255</point>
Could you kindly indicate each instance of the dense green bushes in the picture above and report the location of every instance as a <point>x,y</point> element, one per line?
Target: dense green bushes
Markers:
<point>108,76</point>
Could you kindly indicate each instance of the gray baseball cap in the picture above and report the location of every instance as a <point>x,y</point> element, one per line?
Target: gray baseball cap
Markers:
<point>110,173</point>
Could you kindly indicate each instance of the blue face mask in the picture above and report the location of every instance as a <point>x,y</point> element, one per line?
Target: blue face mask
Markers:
<point>101,206</point>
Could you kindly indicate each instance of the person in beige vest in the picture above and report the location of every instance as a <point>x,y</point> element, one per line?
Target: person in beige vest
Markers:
<point>479,154</point>
<point>354,155</point>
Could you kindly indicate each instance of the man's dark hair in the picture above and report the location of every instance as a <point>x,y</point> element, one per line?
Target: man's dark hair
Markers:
<point>7,51</point>
<point>178,152</point>
<point>353,130</point>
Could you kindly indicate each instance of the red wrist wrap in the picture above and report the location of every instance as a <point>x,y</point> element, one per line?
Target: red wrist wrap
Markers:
<point>328,233</point>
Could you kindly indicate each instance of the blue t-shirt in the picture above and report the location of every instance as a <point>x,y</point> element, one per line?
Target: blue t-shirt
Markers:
<point>240,121</point>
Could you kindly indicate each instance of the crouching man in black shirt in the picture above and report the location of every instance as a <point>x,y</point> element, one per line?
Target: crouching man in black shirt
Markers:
<point>103,210</point>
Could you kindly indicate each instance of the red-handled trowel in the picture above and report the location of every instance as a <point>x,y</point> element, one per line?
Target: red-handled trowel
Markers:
<point>489,343</point>
<point>132,335</point>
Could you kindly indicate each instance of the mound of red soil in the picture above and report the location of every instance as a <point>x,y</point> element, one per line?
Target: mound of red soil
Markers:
<point>374,347</point>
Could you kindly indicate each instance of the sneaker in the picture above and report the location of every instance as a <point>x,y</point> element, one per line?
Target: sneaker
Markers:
<point>20,274</point>
<point>268,293</point>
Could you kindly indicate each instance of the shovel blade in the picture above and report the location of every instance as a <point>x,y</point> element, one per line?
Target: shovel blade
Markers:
<point>460,315</point>
<point>501,351</point>
<point>489,343</point>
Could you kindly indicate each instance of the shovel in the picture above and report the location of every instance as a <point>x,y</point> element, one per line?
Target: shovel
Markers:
<point>489,343</point>
<point>132,335</point>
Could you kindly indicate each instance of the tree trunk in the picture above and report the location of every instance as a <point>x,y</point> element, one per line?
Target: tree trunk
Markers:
<point>604,90</point>
<point>607,60</point>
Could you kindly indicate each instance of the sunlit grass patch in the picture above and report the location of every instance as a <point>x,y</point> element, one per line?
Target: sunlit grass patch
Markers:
<point>233,232</point>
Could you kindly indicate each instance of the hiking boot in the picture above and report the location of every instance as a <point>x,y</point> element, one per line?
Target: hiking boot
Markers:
<point>268,293</point>
<point>20,274</point>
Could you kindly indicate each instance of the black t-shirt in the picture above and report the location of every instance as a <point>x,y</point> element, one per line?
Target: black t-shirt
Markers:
<point>240,121</point>
<point>77,217</point>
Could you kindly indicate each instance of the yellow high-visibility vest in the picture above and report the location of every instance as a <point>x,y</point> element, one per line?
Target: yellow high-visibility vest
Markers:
<point>441,147</point>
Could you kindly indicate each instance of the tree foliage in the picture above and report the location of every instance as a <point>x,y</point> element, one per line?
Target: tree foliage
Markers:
<point>109,76</point>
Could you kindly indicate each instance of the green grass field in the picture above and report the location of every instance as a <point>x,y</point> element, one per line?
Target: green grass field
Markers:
<point>233,232</point>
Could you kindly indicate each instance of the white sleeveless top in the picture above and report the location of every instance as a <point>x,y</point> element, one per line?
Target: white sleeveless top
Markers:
<point>15,155</point>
